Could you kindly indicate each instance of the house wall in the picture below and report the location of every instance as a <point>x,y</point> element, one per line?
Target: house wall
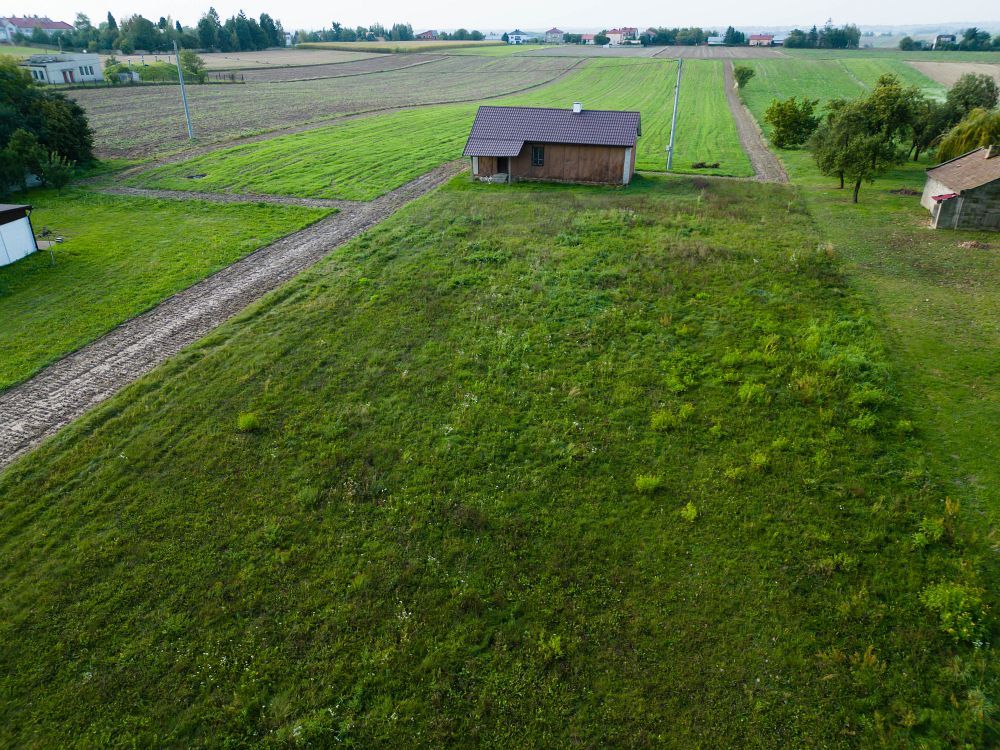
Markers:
<point>980,207</point>
<point>572,163</point>
<point>16,240</point>
<point>53,72</point>
<point>931,188</point>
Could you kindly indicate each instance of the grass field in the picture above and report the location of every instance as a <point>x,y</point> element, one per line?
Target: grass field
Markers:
<point>360,159</point>
<point>501,50</point>
<point>890,55</point>
<point>537,466</point>
<point>16,51</point>
<point>397,47</point>
<point>121,256</point>
<point>133,122</point>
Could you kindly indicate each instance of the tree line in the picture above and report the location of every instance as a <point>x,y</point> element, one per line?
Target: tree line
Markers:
<point>847,36</point>
<point>237,34</point>
<point>972,40</point>
<point>398,32</point>
<point>857,140</point>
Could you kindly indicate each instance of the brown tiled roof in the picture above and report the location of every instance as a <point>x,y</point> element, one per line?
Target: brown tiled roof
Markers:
<point>41,22</point>
<point>503,131</point>
<point>968,171</point>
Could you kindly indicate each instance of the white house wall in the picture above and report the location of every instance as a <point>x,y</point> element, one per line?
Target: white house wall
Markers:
<point>16,241</point>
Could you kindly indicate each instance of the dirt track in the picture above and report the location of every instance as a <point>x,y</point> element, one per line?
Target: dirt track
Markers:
<point>765,164</point>
<point>947,73</point>
<point>39,407</point>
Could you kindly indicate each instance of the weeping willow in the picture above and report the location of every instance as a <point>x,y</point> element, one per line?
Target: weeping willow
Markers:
<point>979,128</point>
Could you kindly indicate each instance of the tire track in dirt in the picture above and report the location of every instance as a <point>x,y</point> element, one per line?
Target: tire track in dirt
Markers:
<point>765,164</point>
<point>39,407</point>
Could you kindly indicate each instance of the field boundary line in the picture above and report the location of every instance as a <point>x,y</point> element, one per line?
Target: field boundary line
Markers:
<point>765,164</point>
<point>194,195</point>
<point>65,390</point>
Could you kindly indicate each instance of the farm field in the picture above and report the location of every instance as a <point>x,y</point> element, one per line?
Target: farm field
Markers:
<point>121,256</point>
<point>947,73</point>
<point>400,47</point>
<point>891,54</point>
<point>360,159</point>
<point>271,58</point>
<point>522,466</point>
<point>502,50</point>
<point>143,121</point>
<point>365,66</point>
<point>717,53</point>
<point>18,51</point>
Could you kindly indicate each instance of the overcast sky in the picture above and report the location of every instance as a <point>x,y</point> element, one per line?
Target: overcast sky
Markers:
<point>535,16</point>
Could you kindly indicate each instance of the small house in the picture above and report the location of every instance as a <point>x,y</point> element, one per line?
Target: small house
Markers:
<point>624,35</point>
<point>426,36</point>
<point>17,238</point>
<point>62,69</point>
<point>761,40</point>
<point>964,193</point>
<point>517,37</point>
<point>587,38</point>
<point>26,25</point>
<point>510,144</point>
<point>716,41</point>
<point>554,36</point>
<point>944,41</point>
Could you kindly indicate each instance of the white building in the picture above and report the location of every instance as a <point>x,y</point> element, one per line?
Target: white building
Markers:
<point>517,37</point>
<point>27,24</point>
<point>17,239</point>
<point>67,68</point>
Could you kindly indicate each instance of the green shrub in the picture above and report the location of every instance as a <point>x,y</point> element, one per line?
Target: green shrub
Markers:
<point>864,422</point>
<point>689,512</point>
<point>930,530</point>
<point>248,422</point>
<point>753,393</point>
<point>959,608</point>
<point>667,420</point>
<point>648,483</point>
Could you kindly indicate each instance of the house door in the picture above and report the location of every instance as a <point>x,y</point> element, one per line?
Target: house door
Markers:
<point>503,165</point>
<point>67,76</point>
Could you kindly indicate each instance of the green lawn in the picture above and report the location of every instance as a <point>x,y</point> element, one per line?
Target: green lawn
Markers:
<point>17,51</point>
<point>121,256</point>
<point>363,158</point>
<point>532,466</point>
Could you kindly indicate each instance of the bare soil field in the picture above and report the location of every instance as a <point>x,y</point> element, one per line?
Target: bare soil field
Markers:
<point>718,53</point>
<point>142,121</point>
<point>272,58</point>
<point>374,64</point>
<point>947,73</point>
<point>584,50</point>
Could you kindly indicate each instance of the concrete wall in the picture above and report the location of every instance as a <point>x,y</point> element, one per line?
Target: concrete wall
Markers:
<point>980,208</point>
<point>932,188</point>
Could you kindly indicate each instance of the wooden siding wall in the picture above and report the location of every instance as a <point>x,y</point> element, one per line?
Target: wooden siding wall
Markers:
<point>566,162</point>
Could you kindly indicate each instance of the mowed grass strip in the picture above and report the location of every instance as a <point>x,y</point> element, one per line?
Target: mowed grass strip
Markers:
<point>363,158</point>
<point>523,465</point>
<point>121,256</point>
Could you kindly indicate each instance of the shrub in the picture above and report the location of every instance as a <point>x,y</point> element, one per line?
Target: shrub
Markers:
<point>648,483</point>
<point>751,393</point>
<point>689,512</point>
<point>792,121</point>
<point>743,74</point>
<point>864,422</point>
<point>248,422</point>
<point>929,531</point>
<point>759,460</point>
<point>959,608</point>
<point>667,420</point>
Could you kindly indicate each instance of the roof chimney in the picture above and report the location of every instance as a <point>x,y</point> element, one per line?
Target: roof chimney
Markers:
<point>577,108</point>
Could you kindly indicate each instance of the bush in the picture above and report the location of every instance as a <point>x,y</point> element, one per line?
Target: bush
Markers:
<point>959,608</point>
<point>792,121</point>
<point>689,512</point>
<point>248,422</point>
<point>648,483</point>
<point>742,74</point>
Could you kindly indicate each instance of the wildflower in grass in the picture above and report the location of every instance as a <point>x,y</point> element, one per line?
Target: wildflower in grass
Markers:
<point>648,483</point>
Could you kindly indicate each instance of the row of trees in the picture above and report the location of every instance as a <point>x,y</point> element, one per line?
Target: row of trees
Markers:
<point>847,36</point>
<point>398,32</point>
<point>859,139</point>
<point>41,131</point>
<point>688,36</point>
<point>972,39</point>
<point>237,33</point>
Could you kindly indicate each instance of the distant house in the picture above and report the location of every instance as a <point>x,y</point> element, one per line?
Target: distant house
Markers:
<point>716,41</point>
<point>964,193</point>
<point>587,38</point>
<point>779,41</point>
<point>68,68</point>
<point>27,24</point>
<point>17,239</point>
<point>427,36</point>
<point>554,36</point>
<point>624,35</point>
<point>944,40</point>
<point>761,40</point>
<point>517,37</point>
<point>560,145</point>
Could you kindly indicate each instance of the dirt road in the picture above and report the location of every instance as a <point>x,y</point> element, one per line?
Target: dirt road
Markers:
<point>765,164</point>
<point>39,407</point>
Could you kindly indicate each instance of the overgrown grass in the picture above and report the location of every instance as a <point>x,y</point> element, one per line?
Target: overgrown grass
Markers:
<point>433,534</point>
<point>121,256</point>
<point>363,158</point>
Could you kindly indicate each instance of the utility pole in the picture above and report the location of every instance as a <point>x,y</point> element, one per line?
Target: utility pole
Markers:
<point>184,98</point>
<point>673,124</point>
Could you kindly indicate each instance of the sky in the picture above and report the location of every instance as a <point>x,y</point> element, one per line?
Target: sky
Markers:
<point>536,16</point>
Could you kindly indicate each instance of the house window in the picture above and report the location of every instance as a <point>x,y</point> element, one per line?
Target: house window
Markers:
<point>538,156</point>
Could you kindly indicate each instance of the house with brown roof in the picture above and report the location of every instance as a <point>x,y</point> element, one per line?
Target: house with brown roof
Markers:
<point>964,193</point>
<point>426,36</point>
<point>510,144</point>
<point>25,25</point>
<point>554,36</point>
<point>761,40</point>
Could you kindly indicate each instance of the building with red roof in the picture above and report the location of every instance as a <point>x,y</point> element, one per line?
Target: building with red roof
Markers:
<point>13,25</point>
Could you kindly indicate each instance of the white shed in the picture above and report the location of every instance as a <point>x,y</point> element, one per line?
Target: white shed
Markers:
<point>17,239</point>
<point>65,68</point>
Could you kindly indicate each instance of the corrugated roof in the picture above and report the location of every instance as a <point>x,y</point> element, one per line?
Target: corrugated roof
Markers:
<point>969,170</point>
<point>503,131</point>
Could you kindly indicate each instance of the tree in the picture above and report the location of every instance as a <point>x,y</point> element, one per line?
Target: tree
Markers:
<point>743,74</point>
<point>792,121</point>
<point>975,39</point>
<point>734,38</point>
<point>977,129</point>
<point>192,65</point>
<point>931,120</point>
<point>55,170</point>
<point>26,149</point>
<point>112,24</point>
<point>601,39</point>
<point>504,38</point>
<point>270,30</point>
<point>907,44</point>
<point>12,172</point>
<point>973,91</point>
<point>208,30</point>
